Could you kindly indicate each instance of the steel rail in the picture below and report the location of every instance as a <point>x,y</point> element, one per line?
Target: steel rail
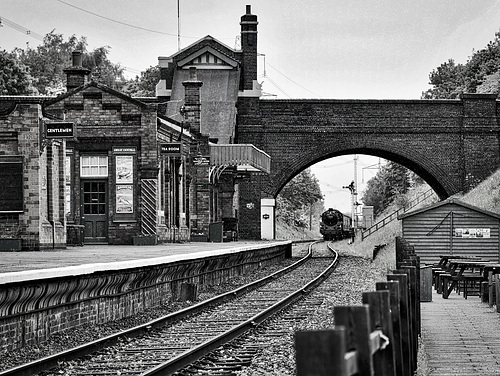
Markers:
<point>45,363</point>
<point>179,362</point>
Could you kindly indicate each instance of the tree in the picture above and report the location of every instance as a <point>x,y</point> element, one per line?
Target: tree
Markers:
<point>47,62</point>
<point>483,63</point>
<point>296,199</point>
<point>375,194</point>
<point>103,70</point>
<point>481,74</point>
<point>448,81</point>
<point>14,76</point>
<point>144,86</point>
<point>390,182</point>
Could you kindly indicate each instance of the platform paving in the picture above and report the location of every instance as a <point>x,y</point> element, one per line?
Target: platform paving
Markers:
<point>461,336</point>
<point>88,254</point>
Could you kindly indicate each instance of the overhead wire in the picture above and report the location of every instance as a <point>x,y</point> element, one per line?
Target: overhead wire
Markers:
<point>277,86</point>
<point>28,32</point>
<point>20,28</point>
<point>289,79</point>
<point>40,37</point>
<point>120,22</point>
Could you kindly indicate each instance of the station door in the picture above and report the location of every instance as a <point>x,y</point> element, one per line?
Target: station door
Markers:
<point>95,211</point>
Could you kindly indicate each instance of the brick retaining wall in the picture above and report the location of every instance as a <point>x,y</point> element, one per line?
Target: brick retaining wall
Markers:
<point>31,311</point>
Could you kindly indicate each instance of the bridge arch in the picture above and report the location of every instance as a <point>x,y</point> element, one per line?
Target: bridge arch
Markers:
<point>422,166</point>
<point>451,144</point>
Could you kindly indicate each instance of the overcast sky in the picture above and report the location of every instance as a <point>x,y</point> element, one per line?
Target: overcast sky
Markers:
<point>348,49</point>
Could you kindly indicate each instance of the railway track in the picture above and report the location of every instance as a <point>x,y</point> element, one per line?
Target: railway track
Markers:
<point>172,343</point>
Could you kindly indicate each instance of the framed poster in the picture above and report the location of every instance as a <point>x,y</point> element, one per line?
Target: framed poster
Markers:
<point>124,169</point>
<point>472,233</point>
<point>124,199</point>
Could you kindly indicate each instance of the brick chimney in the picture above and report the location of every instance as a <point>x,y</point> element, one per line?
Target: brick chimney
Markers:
<point>192,102</point>
<point>76,75</point>
<point>249,48</point>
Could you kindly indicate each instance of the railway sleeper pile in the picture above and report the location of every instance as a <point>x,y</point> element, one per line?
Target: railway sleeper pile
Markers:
<point>379,337</point>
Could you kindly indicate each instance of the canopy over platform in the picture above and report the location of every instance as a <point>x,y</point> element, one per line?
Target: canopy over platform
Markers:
<point>245,157</point>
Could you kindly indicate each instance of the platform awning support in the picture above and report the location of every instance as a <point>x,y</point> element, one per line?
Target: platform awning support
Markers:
<point>245,157</point>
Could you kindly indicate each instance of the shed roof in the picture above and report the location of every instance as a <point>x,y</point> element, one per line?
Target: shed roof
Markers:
<point>449,201</point>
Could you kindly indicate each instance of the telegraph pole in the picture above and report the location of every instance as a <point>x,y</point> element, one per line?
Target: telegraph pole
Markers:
<point>355,194</point>
<point>178,26</point>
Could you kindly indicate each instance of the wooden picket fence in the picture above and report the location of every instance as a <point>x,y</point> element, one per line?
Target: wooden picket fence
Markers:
<point>377,338</point>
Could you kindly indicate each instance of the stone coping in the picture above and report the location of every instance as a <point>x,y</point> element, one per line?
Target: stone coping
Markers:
<point>89,268</point>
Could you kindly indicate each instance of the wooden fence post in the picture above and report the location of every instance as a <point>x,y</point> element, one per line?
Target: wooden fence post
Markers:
<point>356,320</point>
<point>393,288</point>
<point>321,352</point>
<point>380,318</point>
<point>415,291</point>
<point>405,321</point>
<point>413,305</point>
<point>491,289</point>
<point>497,291</point>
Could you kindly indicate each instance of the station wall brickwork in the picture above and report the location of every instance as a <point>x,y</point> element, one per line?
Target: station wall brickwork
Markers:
<point>105,119</point>
<point>41,223</point>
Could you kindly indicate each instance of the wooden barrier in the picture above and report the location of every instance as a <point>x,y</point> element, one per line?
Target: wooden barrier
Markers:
<point>377,338</point>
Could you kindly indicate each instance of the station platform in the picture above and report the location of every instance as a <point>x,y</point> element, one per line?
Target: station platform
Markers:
<point>16,266</point>
<point>461,336</point>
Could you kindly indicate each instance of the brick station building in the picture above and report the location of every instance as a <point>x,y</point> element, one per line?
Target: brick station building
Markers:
<point>94,165</point>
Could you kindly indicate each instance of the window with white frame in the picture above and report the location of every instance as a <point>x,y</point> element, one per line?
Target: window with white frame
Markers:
<point>92,166</point>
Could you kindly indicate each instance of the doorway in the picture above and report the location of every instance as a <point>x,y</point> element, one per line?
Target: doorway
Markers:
<point>95,211</point>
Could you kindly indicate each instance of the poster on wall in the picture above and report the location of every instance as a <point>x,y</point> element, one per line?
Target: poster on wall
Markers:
<point>472,232</point>
<point>124,169</point>
<point>124,199</point>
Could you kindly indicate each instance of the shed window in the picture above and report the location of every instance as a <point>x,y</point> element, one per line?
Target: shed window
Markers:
<point>94,166</point>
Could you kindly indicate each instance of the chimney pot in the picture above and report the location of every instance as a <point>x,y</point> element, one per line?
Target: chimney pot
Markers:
<point>77,58</point>
<point>249,9</point>
<point>192,74</point>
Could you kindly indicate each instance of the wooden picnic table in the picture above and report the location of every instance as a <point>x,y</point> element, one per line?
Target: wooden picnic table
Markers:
<point>443,259</point>
<point>466,270</point>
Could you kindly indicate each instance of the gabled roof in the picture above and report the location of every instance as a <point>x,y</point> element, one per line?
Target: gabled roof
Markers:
<point>210,41</point>
<point>449,201</point>
<point>99,86</point>
<point>205,53</point>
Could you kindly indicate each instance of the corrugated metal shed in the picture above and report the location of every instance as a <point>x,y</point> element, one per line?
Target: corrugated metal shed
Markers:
<point>452,227</point>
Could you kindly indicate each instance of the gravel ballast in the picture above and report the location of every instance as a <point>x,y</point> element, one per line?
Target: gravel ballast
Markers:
<point>353,276</point>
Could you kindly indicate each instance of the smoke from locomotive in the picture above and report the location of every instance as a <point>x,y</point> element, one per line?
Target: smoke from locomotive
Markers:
<point>334,225</point>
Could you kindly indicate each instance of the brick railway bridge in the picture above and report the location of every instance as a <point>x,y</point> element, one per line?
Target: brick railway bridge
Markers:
<point>451,144</point>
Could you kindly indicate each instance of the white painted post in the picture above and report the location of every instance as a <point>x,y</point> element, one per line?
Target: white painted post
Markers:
<point>267,218</point>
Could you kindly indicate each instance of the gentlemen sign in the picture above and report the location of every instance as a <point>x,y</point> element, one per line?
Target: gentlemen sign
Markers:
<point>173,149</point>
<point>59,130</point>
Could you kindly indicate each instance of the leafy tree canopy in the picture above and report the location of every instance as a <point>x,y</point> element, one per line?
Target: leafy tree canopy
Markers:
<point>481,74</point>
<point>390,181</point>
<point>14,76</point>
<point>145,85</point>
<point>46,62</point>
<point>296,199</point>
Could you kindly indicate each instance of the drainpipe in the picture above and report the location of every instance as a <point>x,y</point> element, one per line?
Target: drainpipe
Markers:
<point>52,223</point>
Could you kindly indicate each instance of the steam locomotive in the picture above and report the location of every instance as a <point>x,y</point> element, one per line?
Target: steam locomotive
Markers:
<point>334,225</point>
